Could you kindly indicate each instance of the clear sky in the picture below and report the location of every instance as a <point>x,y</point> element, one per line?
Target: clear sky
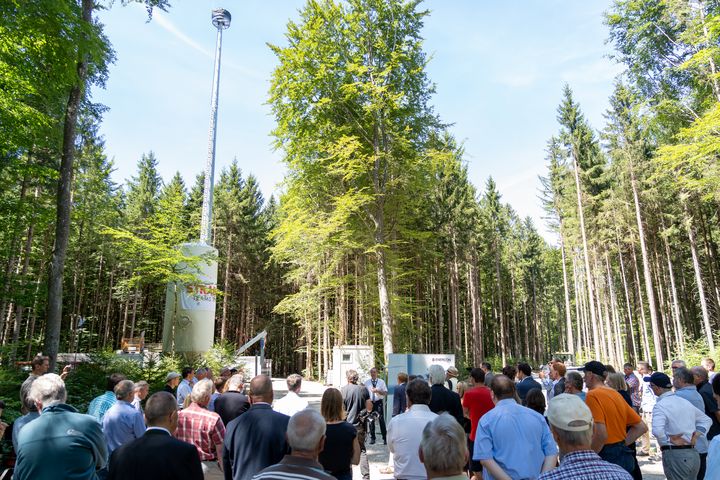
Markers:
<point>499,67</point>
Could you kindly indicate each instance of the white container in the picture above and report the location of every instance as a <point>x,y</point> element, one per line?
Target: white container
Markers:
<point>189,325</point>
<point>350,357</point>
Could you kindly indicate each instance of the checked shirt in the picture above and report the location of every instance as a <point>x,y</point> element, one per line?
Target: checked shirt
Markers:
<point>585,465</point>
<point>100,405</point>
<point>201,428</point>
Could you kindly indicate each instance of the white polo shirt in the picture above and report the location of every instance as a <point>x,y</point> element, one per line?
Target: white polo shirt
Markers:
<point>290,404</point>
<point>404,433</point>
<point>380,385</point>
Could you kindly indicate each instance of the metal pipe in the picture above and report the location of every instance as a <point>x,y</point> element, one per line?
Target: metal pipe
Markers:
<point>221,21</point>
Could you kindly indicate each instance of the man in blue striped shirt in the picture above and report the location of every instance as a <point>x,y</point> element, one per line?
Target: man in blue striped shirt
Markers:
<point>102,403</point>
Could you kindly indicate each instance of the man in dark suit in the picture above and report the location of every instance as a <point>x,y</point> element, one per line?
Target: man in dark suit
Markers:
<point>443,399</point>
<point>232,403</point>
<point>399,397</point>
<point>256,439</point>
<point>526,382</point>
<point>157,455</point>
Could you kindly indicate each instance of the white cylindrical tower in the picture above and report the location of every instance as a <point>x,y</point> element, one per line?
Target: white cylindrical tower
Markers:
<point>189,324</point>
<point>190,308</point>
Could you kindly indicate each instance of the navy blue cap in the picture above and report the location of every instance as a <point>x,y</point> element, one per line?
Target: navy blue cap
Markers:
<point>659,379</point>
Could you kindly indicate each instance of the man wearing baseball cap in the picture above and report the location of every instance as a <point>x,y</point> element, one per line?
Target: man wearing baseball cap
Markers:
<point>676,424</point>
<point>172,380</point>
<point>617,425</point>
<point>571,424</point>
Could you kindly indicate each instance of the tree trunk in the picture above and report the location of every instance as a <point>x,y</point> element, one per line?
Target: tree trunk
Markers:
<point>675,302</point>
<point>641,304</point>
<point>134,314</point>
<point>649,289</point>
<point>62,222</point>
<point>20,308</point>
<point>476,310</point>
<point>699,279</point>
<point>630,334</point>
<point>384,298</point>
<point>501,313</point>
<point>226,288</point>
<point>586,254</point>
<point>308,346</point>
<point>568,315</point>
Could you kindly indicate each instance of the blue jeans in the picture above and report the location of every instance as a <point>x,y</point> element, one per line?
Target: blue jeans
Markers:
<point>618,454</point>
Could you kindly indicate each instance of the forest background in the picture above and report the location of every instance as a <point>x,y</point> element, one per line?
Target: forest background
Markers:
<point>378,236</point>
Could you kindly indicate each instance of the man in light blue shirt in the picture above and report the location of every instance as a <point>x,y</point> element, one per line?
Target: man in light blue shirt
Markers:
<point>32,414</point>
<point>684,384</point>
<point>123,422</point>
<point>647,404</point>
<point>185,388</point>
<point>511,439</point>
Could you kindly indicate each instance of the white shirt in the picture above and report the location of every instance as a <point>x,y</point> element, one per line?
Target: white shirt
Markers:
<point>183,390</point>
<point>136,404</point>
<point>648,397</point>
<point>404,433</point>
<point>674,415</point>
<point>380,385</point>
<point>290,404</point>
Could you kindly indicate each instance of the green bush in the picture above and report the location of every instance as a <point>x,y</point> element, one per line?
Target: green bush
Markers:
<point>695,351</point>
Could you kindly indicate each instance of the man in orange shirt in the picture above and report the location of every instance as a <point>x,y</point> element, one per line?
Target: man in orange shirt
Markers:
<point>616,424</point>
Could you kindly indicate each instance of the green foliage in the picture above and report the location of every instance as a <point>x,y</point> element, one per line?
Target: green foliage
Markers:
<point>694,161</point>
<point>219,356</point>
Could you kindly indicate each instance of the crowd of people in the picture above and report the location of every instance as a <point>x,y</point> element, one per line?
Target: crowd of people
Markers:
<point>582,423</point>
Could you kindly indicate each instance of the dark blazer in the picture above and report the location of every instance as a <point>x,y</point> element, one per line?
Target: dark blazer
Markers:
<point>399,399</point>
<point>253,441</point>
<point>559,387</point>
<point>525,385</point>
<point>155,456</point>
<point>445,400</point>
<point>231,405</point>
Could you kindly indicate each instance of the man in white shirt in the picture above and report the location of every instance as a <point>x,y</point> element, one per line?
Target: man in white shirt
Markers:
<point>709,365</point>
<point>185,388</point>
<point>142,388</point>
<point>647,403</point>
<point>677,425</point>
<point>405,432</point>
<point>291,403</point>
<point>378,390</point>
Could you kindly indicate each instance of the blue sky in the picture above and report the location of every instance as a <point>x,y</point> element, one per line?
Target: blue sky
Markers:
<point>499,68</point>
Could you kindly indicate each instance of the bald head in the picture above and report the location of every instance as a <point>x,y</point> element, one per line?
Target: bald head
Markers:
<point>503,387</point>
<point>261,389</point>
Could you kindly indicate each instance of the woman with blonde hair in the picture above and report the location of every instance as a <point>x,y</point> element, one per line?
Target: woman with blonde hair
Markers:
<point>342,449</point>
<point>617,382</point>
